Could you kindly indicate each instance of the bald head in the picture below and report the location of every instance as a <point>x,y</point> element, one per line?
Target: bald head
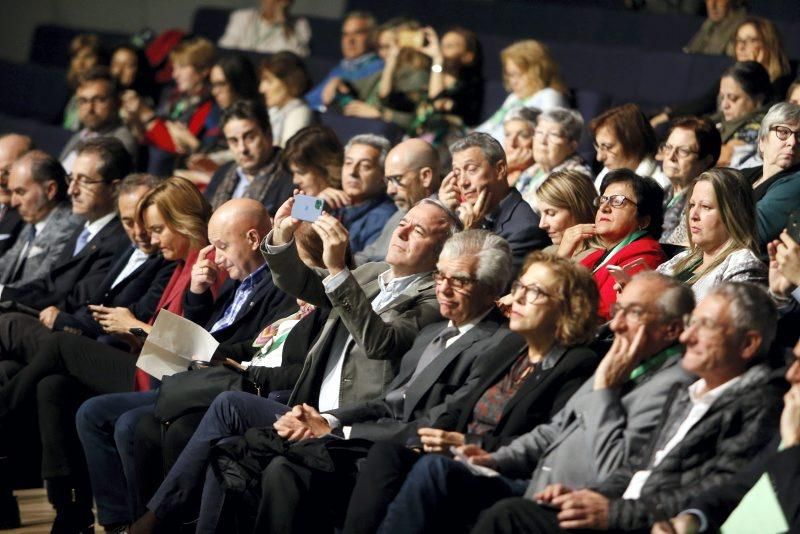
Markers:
<point>12,147</point>
<point>412,172</point>
<point>236,230</point>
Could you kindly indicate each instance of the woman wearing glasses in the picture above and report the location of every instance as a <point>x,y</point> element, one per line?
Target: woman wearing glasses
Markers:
<point>624,235</point>
<point>553,308</point>
<point>720,215</point>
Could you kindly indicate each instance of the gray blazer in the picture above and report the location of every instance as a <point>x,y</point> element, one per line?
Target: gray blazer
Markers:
<point>595,432</point>
<point>380,338</point>
<point>115,129</point>
<point>45,249</point>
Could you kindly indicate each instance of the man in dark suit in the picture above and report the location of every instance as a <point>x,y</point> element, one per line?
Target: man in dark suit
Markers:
<point>12,147</point>
<point>478,189</point>
<point>377,312</point>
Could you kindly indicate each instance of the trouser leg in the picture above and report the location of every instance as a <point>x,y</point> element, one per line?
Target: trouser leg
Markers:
<point>516,514</point>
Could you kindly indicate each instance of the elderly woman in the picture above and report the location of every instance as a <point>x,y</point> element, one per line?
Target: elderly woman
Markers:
<point>531,75</point>
<point>624,139</point>
<point>565,199</point>
<point>284,80</point>
<point>721,216</point>
<point>776,184</point>
<point>555,142</point>
<point>518,129</point>
<point>692,146</point>
<point>624,235</point>
<point>314,157</point>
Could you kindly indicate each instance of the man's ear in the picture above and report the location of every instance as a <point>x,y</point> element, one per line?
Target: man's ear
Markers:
<point>751,343</point>
<point>253,239</point>
<point>502,169</point>
<point>51,190</point>
<point>674,328</point>
<point>426,177</point>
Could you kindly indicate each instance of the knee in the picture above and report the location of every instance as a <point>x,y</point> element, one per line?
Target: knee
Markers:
<point>86,418</point>
<point>277,474</point>
<point>53,389</point>
<point>125,428</point>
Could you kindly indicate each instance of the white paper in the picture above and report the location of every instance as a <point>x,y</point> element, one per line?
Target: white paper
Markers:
<point>172,344</point>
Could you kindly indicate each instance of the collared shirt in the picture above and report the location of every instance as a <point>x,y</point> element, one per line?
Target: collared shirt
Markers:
<point>701,401</point>
<point>242,185</point>
<point>134,262</point>
<point>390,289</point>
<point>95,226</point>
<point>240,298</point>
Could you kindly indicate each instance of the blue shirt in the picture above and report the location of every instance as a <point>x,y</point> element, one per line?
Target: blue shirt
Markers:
<point>241,296</point>
<point>347,69</point>
<point>365,221</point>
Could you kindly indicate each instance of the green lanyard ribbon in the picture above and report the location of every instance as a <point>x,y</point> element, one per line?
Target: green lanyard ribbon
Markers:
<point>656,361</point>
<point>625,242</point>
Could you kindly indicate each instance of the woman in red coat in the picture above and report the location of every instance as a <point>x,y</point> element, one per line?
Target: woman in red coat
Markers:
<point>624,234</point>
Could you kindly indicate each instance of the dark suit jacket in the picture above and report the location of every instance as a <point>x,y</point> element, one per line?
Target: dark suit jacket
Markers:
<point>540,397</point>
<point>11,224</point>
<point>140,292</point>
<point>266,304</point>
<point>451,376</point>
<point>271,186</point>
<point>515,221</point>
<point>72,280</point>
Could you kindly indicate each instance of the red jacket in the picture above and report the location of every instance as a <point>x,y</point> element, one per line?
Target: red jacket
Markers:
<point>645,247</point>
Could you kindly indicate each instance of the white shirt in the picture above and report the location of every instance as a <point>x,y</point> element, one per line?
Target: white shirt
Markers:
<point>701,403</point>
<point>134,262</point>
<point>95,226</point>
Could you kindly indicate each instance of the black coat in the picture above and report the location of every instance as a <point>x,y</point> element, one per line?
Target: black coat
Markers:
<point>73,279</point>
<point>543,394</point>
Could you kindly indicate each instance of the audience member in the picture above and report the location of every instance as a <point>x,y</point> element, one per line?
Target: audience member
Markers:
<point>12,147</point>
<point>256,170</point>
<point>565,200</point>
<point>85,52</point>
<point>723,246</point>
<point>531,76</point>
<point>314,156</point>
<point>361,337</point>
<point>518,128</point>
<point>624,139</point>
<point>98,111</point>
<point>606,422</point>
<point>793,93</point>
<point>744,91</point>
<point>625,232</point>
<point>776,183</point>
<point>524,388</point>
<point>555,145</point>
<point>284,80</point>
<point>269,28</point>
<point>411,173</point>
<point>717,31</point>
<point>478,189</point>
<point>132,70</point>
<point>369,207</point>
<point>692,146</point>
<point>39,194</point>
<point>359,59</point>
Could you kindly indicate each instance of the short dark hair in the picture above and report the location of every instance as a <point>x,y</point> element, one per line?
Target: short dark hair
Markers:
<point>100,73</point>
<point>251,110</point>
<point>649,197</point>
<point>139,179</point>
<point>753,78</point>
<point>240,75</point>
<point>631,128</point>
<point>289,68</point>
<point>115,161</point>
<point>45,168</point>
<point>316,147</point>
<point>709,142</point>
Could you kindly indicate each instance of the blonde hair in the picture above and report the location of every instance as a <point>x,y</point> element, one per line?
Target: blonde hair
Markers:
<point>576,295</point>
<point>534,58</point>
<point>737,211</point>
<point>198,52</point>
<point>183,207</point>
<point>570,190</point>
<point>775,60</point>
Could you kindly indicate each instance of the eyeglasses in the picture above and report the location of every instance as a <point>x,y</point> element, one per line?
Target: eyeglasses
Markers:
<point>532,292</point>
<point>96,99</point>
<point>631,312</point>
<point>81,180</point>
<point>615,201</point>
<point>219,85</point>
<point>683,152</point>
<point>783,133</point>
<point>604,147</point>
<point>396,179</point>
<point>550,137</point>
<point>704,323</point>
<point>457,283</point>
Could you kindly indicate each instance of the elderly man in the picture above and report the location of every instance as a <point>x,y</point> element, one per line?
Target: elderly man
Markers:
<point>776,184</point>
<point>98,111</point>
<point>706,433</point>
<point>411,173</point>
<point>377,312</point>
<point>478,189</point>
<point>362,181</point>
<point>609,418</point>
<point>39,194</point>
<point>12,147</point>
<point>256,171</point>
<point>359,59</point>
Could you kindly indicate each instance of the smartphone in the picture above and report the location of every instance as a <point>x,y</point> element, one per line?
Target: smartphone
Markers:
<point>410,38</point>
<point>307,208</point>
<point>619,274</point>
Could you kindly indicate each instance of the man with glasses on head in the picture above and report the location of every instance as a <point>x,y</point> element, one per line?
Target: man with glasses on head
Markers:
<point>98,112</point>
<point>12,147</point>
<point>607,420</point>
<point>411,173</point>
<point>776,184</point>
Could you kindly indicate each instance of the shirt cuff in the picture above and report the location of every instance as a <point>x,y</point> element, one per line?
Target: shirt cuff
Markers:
<point>274,249</point>
<point>332,420</point>
<point>333,281</point>
<point>699,515</point>
<point>2,287</point>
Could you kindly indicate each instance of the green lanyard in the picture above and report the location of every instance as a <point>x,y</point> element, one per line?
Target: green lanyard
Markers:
<point>624,243</point>
<point>656,361</point>
<point>674,199</point>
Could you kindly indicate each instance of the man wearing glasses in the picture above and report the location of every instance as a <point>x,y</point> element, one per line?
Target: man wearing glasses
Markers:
<point>98,112</point>
<point>776,184</point>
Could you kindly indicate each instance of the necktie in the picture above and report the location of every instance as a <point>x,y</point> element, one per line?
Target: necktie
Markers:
<point>83,238</point>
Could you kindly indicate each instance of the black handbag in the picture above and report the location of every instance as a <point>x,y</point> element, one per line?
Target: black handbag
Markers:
<point>195,390</point>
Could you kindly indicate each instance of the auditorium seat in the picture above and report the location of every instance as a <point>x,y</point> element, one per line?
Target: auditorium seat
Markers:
<point>347,127</point>
<point>47,137</point>
<point>50,43</point>
<point>30,90</point>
